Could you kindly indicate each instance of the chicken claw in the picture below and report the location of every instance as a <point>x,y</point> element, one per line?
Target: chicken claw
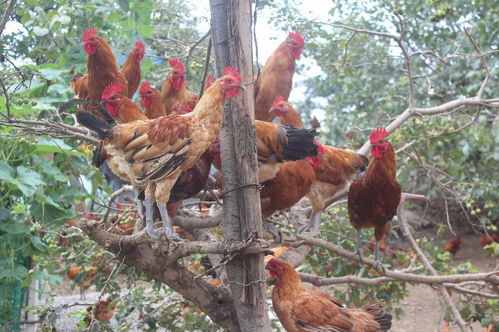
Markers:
<point>167,223</point>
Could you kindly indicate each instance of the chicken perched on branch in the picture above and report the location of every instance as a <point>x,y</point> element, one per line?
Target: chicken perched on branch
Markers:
<point>373,199</point>
<point>102,70</point>
<point>276,144</point>
<point>131,68</point>
<point>338,168</point>
<point>291,184</point>
<point>174,90</point>
<point>153,153</point>
<point>301,310</point>
<point>119,106</point>
<point>287,114</point>
<point>150,99</point>
<point>276,78</point>
<point>102,310</point>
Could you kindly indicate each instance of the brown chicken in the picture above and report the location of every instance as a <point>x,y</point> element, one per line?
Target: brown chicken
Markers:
<point>131,68</point>
<point>286,112</point>
<point>84,276</point>
<point>301,310</point>
<point>151,101</point>
<point>276,144</point>
<point>119,106</point>
<point>453,246</point>
<point>338,168</point>
<point>294,179</point>
<point>174,90</point>
<point>486,240</point>
<point>153,153</point>
<point>276,78</point>
<point>102,311</point>
<point>373,198</point>
<point>102,70</point>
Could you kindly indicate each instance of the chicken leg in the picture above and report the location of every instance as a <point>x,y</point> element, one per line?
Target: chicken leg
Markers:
<point>379,265</point>
<point>167,223</point>
<point>149,218</point>
<point>358,249</point>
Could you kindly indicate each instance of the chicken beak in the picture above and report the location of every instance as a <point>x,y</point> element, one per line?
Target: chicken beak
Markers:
<point>272,109</point>
<point>242,86</point>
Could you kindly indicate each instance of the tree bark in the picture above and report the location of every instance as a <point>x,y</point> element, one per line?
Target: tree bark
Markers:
<point>231,35</point>
<point>152,258</point>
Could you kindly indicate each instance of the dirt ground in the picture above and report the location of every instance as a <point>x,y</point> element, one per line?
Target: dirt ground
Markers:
<point>424,309</point>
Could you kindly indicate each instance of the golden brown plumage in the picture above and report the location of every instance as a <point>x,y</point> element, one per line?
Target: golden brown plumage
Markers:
<point>301,310</point>
<point>102,70</point>
<point>286,113</point>
<point>276,78</point>
<point>153,153</point>
<point>174,90</point>
<point>373,199</point>
<point>290,184</point>
<point>151,101</point>
<point>131,68</point>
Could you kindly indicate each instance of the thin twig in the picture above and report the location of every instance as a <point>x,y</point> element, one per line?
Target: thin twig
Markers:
<point>5,18</point>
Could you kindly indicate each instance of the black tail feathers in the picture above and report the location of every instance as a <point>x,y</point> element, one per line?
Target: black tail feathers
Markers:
<point>301,143</point>
<point>377,310</point>
<point>92,122</point>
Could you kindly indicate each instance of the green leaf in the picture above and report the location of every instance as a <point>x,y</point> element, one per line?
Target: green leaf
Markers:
<point>46,145</point>
<point>38,244</point>
<point>14,227</point>
<point>17,273</point>
<point>28,180</point>
<point>39,32</point>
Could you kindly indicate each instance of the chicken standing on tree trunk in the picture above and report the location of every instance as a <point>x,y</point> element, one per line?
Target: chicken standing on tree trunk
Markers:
<point>373,198</point>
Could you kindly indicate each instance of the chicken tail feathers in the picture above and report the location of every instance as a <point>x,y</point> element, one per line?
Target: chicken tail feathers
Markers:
<point>92,122</point>
<point>300,143</point>
<point>98,157</point>
<point>377,309</point>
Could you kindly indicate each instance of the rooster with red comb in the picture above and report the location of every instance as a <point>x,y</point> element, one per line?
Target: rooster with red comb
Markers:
<point>131,68</point>
<point>174,90</point>
<point>373,199</point>
<point>152,154</point>
<point>276,78</point>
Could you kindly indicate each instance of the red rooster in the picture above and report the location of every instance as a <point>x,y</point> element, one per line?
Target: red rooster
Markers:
<point>153,153</point>
<point>174,90</point>
<point>373,199</point>
<point>294,178</point>
<point>131,68</point>
<point>276,78</point>
<point>301,310</point>
<point>150,99</point>
<point>453,246</point>
<point>102,70</point>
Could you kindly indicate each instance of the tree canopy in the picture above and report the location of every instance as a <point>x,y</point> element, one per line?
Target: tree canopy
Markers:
<point>426,70</point>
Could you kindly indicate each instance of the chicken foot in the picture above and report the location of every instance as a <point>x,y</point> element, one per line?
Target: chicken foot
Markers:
<point>167,223</point>
<point>149,218</point>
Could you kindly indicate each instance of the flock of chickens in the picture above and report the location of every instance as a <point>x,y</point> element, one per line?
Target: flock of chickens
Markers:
<point>166,151</point>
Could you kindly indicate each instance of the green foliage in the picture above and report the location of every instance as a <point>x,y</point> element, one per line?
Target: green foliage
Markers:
<point>42,179</point>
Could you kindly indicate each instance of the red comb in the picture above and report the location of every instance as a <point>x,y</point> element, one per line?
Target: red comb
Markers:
<point>297,38</point>
<point>144,87</point>
<point>140,45</point>
<point>88,33</point>
<point>277,100</point>
<point>378,134</point>
<point>233,72</point>
<point>177,64</point>
<point>111,89</point>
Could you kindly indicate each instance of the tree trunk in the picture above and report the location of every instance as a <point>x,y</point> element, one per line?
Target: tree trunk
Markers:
<point>231,35</point>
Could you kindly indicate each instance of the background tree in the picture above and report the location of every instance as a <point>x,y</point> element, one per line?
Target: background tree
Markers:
<point>376,61</point>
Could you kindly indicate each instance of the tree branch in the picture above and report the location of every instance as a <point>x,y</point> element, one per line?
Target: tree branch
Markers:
<point>5,18</point>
